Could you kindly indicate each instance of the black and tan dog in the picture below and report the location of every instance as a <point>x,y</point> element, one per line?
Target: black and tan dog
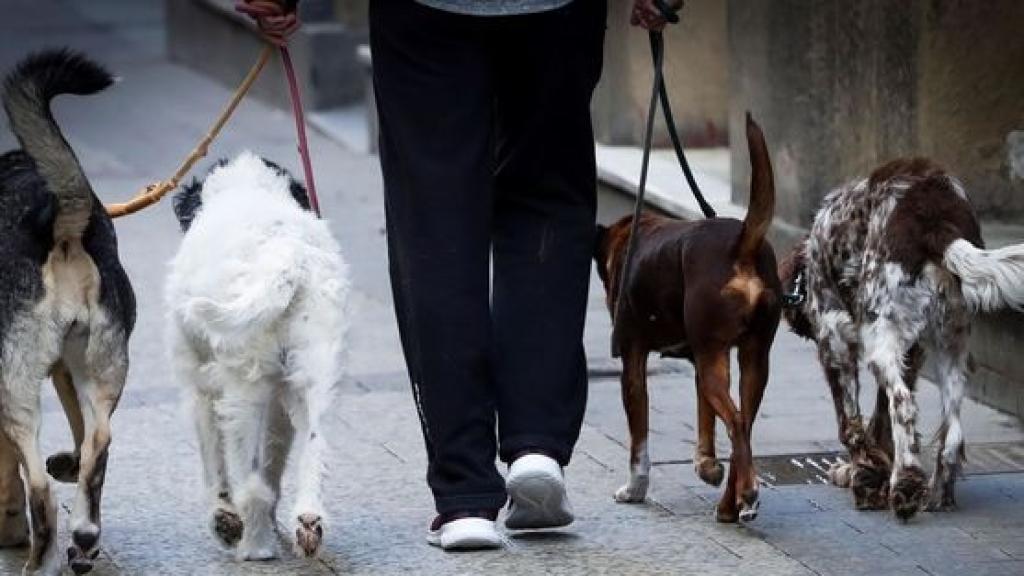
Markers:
<point>696,290</point>
<point>66,311</point>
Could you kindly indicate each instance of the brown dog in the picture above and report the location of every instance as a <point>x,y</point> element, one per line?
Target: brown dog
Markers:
<point>696,290</point>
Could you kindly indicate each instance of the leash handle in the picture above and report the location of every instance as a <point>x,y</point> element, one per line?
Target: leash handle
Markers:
<point>300,128</point>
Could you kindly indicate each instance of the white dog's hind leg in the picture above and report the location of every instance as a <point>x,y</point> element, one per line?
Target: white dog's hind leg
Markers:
<point>224,519</point>
<point>203,396</point>
<point>243,411</point>
<point>309,440</point>
<point>277,443</point>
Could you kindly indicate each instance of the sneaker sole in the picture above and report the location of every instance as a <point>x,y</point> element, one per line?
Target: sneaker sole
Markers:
<point>466,534</point>
<point>540,501</point>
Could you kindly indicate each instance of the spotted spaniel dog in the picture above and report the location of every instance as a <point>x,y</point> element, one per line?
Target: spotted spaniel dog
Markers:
<point>894,267</point>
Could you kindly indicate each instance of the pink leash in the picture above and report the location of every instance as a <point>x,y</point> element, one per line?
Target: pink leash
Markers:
<point>300,128</point>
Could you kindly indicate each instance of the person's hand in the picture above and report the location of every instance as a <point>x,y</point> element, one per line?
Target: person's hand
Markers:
<point>276,19</point>
<point>647,15</point>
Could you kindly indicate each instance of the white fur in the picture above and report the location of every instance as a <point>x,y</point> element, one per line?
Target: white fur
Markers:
<point>989,279</point>
<point>257,303</point>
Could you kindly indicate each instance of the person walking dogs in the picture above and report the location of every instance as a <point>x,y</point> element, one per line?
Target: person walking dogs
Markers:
<point>487,154</point>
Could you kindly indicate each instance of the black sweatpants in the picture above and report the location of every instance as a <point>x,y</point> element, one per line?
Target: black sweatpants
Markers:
<point>487,153</point>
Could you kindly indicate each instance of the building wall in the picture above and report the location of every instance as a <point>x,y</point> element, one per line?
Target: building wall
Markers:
<point>696,71</point>
<point>833,85</point>
<point>844,85</point>
<point>971,89</point>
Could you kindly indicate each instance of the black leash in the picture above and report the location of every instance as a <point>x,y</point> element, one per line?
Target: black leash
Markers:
<point>658,91</point>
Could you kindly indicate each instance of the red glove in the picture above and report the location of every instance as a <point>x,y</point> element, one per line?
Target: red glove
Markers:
<point>647,15</point>
<point>276,19</point>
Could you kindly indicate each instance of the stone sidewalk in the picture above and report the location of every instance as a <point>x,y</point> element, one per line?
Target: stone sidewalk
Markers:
<point>154,521</point>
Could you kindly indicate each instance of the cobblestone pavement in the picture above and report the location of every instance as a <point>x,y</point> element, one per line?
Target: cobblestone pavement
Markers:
<point>153,514</point>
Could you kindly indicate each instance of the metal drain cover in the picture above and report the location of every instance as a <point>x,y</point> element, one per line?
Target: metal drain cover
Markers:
<point>812,468</point>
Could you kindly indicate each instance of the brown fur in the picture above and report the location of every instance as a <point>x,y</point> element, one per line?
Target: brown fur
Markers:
<point>696,290</point>
<point>907,213</point>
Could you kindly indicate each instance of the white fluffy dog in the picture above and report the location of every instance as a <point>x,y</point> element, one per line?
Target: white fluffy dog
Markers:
<point>257,299</point>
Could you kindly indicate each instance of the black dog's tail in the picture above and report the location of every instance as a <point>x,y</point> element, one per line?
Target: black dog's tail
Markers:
<point>761,207</point>
<point>27,93</point>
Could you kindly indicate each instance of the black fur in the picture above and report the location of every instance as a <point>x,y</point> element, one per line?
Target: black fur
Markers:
<point>56,72</point>
<point>188,201</point>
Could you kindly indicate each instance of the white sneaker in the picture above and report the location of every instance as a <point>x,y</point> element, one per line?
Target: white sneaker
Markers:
<point>465,534</point>
<point>536,489</point>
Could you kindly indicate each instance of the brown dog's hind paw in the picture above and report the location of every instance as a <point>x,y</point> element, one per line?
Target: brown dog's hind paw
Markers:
<point>749,506</point>
<point>63,467</point>
<point>727,513</point>
<point>710,470</point>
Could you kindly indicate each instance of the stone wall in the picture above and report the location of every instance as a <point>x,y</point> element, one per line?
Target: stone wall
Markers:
<point>843,85</point>
<point>696,71</point>
<point>971,91</point>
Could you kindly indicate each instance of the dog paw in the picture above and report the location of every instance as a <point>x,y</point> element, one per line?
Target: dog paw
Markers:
<point>13,529</point>
<point>634,491</point>
<point>308,535</point>
<point>227,527</point>
<point>749,505</point>
<point>63,467</point>
<point>86,539</point>
<point>709,470</point>
<point>79,562</point>
<point>840,474</point>
<point>909,493</point>
<point>727,513</point>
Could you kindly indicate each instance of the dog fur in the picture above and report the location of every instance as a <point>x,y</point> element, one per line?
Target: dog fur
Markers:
<point>696,290</point>
<point>66,311</point>
<point>257,319</point>
<point>894,267</point>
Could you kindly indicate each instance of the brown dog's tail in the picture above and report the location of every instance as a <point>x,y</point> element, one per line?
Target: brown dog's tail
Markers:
<point>761,208</point>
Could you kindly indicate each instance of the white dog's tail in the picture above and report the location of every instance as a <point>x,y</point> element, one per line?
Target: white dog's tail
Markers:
<point>246,312</point>
<point>989,279</point>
